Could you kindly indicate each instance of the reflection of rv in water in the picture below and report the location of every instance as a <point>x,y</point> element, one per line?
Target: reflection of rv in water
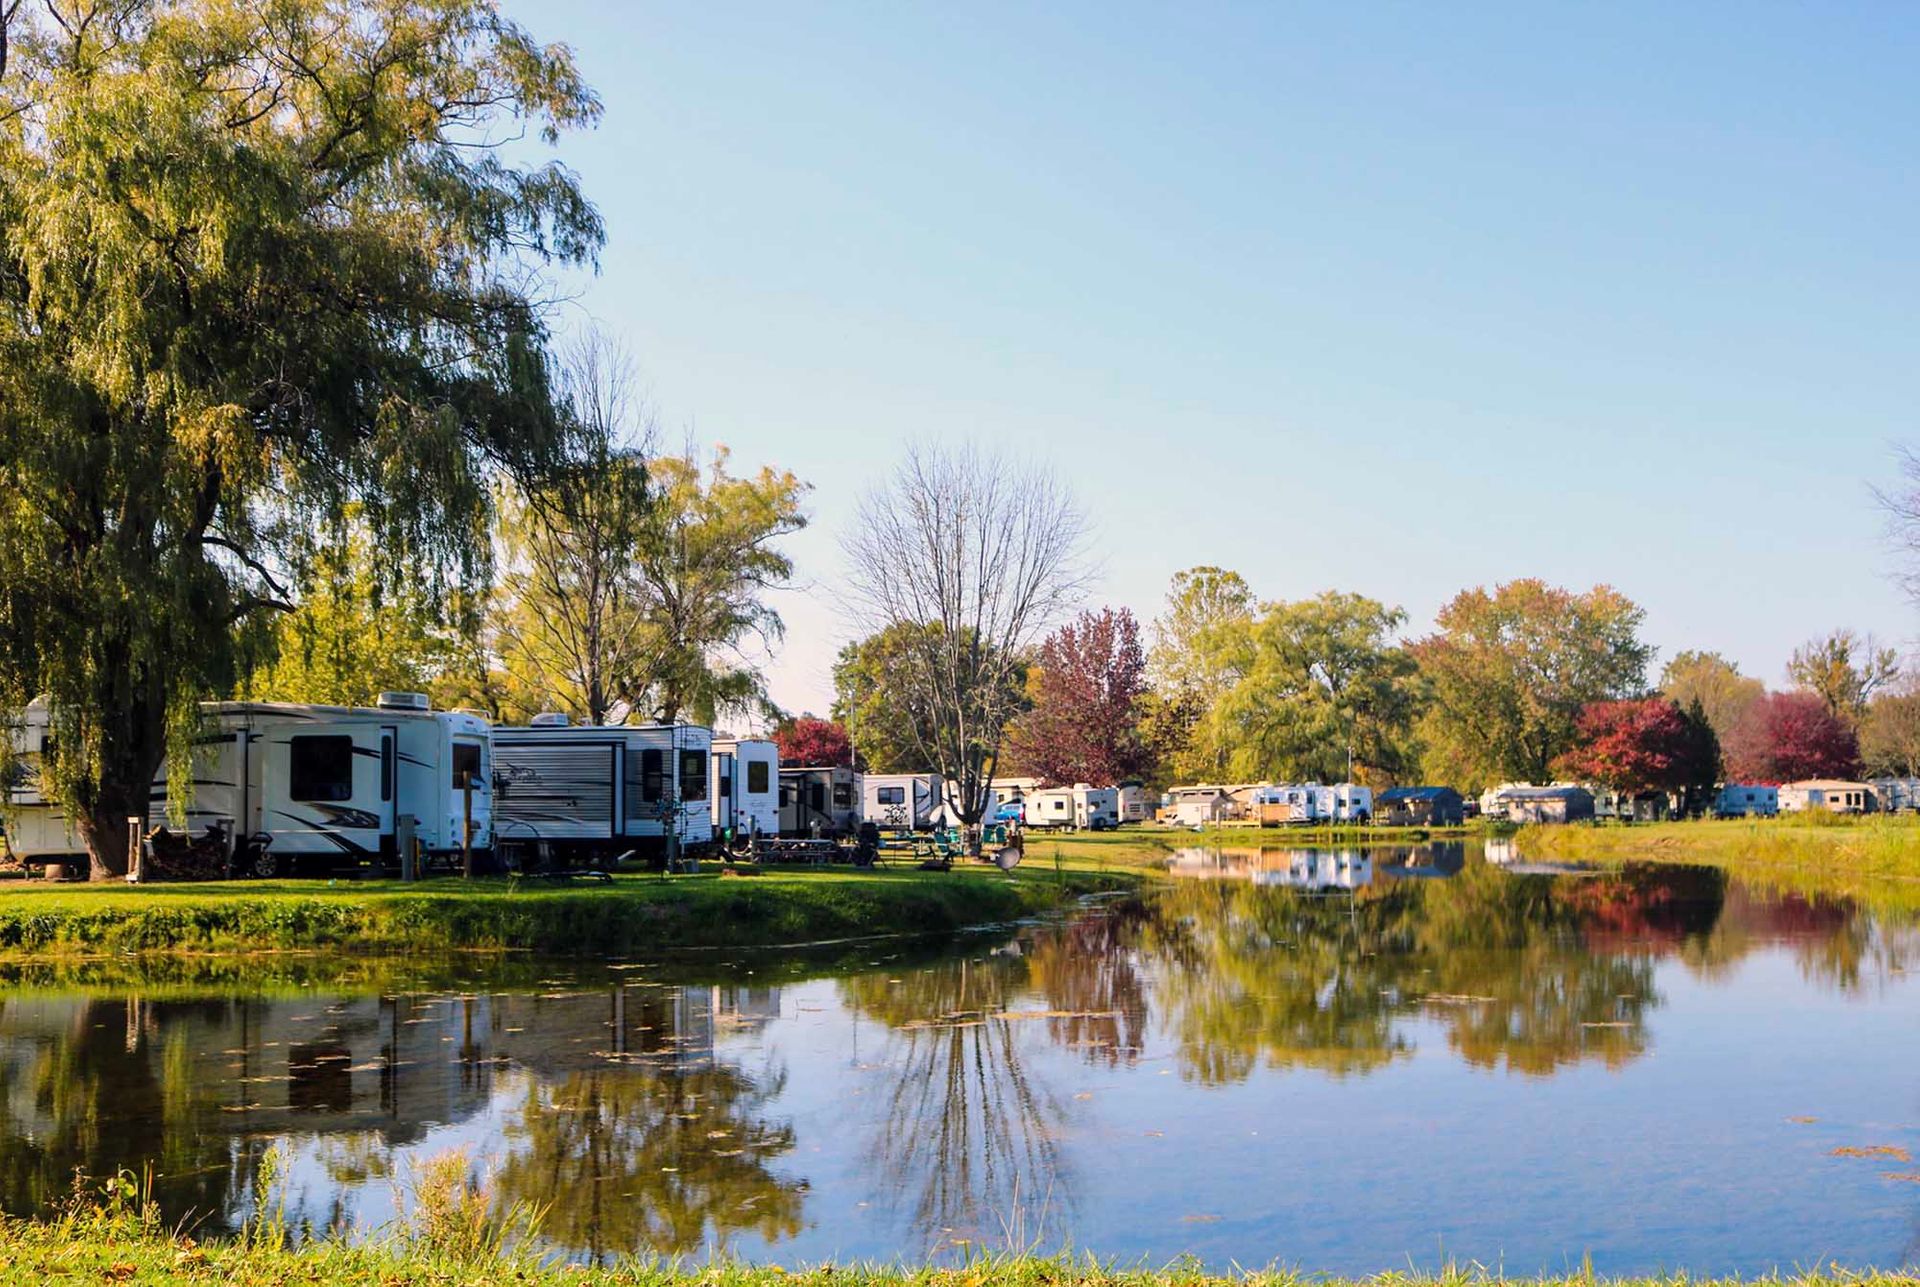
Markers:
<point>596,792</point>
<point>304,786</point>
<point>1305,869</point>
<point>819,800</point>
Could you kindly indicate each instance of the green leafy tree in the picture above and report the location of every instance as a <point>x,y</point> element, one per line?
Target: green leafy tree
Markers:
<point>1313,679</point>
<point>352,637</point>
<point>708,557</point>
<point>257,263</point>
<point>871,698</point>
<point>1510,671</point>
<point>1193,661</point>
<point>1716,684</point>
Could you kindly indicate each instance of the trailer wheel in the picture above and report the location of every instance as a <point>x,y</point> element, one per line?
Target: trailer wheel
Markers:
<point>264,864</point>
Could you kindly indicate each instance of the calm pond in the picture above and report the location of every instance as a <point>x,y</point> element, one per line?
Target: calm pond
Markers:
<point>1336,1060</point>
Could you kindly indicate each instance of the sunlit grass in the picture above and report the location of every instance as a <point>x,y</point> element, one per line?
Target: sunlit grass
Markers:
<point>634,914</point>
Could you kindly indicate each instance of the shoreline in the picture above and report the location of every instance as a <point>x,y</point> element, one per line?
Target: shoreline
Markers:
<point>633,916</point>
<point>106,1246</point>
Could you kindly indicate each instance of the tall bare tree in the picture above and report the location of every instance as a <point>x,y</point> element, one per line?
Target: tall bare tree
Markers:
<point>983,553</point>
<point>572,605</point>
<point>1844,670</point>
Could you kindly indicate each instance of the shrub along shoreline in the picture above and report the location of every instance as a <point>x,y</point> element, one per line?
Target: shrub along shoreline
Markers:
<point>634,915</point>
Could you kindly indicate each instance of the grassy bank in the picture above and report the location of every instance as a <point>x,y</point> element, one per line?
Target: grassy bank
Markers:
<point>444,1244</point>
<point>1874,858</point>
<point>633,915</point>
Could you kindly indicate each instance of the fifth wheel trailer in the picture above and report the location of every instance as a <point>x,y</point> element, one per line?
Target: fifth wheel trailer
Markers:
<point>596,792</point>
<point>819,800</point>
<point>901,801</point>
<point>303,786</point>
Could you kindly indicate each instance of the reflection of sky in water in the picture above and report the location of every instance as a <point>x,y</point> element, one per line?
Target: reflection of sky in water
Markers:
<point>1508,1070</point>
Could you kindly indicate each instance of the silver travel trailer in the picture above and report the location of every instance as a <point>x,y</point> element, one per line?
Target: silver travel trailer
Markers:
<point>901,801</point>
<point>294,785</point>
<point>746,787</point>
<point>819,800</point>
<point>1075,808</point>
<point>599,791</point>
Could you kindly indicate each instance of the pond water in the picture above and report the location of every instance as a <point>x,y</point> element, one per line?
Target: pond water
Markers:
<point>1343,1061</point>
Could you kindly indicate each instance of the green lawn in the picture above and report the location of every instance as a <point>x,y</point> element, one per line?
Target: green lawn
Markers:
<point>634,914</point>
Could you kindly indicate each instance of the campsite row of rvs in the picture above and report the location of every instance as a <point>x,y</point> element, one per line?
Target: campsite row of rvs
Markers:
<point>287,787</point>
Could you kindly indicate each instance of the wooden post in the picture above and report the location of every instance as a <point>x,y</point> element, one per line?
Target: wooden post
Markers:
<point>133,851</point>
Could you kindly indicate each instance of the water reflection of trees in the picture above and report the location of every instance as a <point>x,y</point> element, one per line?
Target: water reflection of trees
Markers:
<point>92,1086</point>
<point>1506,966</point>
<point>626,1160</point>
<point>967,1131</point>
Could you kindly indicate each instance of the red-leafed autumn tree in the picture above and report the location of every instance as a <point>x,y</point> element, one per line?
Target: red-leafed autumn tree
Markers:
<point>1786,737</point>
<point>1644,745</point>
<point>813,743</point>
<point>1087,681</point>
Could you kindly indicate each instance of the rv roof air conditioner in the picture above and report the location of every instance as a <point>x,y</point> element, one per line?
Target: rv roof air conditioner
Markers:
<point>404,702</point>
<point>549,719</point>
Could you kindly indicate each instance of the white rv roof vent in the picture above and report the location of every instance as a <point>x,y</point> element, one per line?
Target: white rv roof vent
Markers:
<point>549,719</point>
<point>404,702</point>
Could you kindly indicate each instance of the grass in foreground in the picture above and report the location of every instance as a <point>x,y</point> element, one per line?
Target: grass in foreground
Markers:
<point>633,915</point>
<point>448,1234</point>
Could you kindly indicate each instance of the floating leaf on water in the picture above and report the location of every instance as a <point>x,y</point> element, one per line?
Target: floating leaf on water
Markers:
<point>1803,1121</point>
<point>1155,1135</point>
<point>1908,1177</point>
<point>1893,1151</point>
<point>1199,1219</point>
<point>1085,1094</point>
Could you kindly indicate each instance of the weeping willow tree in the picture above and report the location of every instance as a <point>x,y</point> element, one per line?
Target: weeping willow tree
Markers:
<point>260,261</point>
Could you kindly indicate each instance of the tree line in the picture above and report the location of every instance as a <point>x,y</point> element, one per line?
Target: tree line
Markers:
<point>1522,682</point>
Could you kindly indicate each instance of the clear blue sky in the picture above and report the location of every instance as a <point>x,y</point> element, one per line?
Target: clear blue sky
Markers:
<point>1395,298</point>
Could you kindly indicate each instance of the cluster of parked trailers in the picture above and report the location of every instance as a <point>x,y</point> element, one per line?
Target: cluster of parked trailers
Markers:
<point>298,787</point>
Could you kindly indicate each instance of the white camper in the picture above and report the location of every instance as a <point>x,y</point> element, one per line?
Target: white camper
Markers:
<point>598,791</point>
<point>1343,802</point>
<point>746,787</point>
<point>1076,808</point>
<point>1134,804</point>
<point>822,800</point>
<point>294,785</point>
<point>1198,806</point>
<point>901,801</point>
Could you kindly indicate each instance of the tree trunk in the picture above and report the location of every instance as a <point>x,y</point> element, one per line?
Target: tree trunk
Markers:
<point>133,744</point>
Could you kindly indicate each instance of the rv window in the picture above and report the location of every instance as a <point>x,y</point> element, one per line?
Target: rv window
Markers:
<point>653,772</point>
<point>726,786</point>
<point>1059,806</point>
<point>693,775</point>
<point>321,768</point>
<point>842,795</point>
<point>466,765</point>
<point>386,767</point>
<point>757,777</point>
<point>892,795</point>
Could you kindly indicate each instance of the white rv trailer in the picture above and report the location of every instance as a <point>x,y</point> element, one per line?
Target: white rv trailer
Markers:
<point>1134,803</point>
<point>819,800</point>
<point>294,785</point>
<point>1076,808</point>
<point>598,791</point>
<point>746,787</point>
<point>1342,802</point>
<point>901,801</point>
